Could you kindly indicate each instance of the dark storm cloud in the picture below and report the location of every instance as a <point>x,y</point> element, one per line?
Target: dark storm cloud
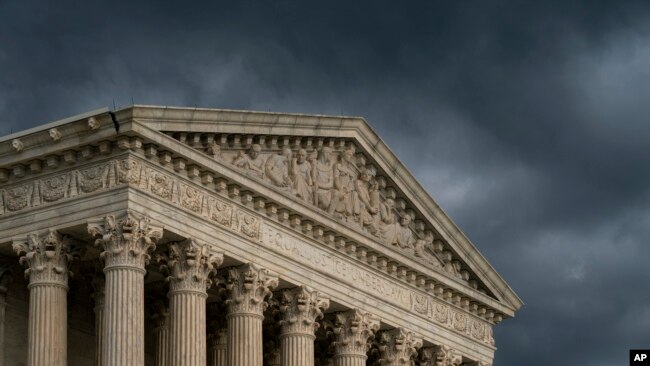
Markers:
<point>526,121</point>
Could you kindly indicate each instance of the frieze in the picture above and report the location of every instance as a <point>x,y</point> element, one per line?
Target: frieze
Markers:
<point>224,213</point>
<point>340,181</point>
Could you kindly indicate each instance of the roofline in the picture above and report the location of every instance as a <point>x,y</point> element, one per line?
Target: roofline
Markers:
<point>49,125</point>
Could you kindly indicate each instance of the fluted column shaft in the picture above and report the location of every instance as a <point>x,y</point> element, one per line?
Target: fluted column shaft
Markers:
<point>218,350</point>
<point>190,265</point>
<point>126,243</point>
<point>47,259</point>
<point>161,334</point>
<point>187,329</point>
<point>98,296</point>
<point>301,308</point>
<point>248,288</point>
<point>123,339</point>
<point>297,350</point>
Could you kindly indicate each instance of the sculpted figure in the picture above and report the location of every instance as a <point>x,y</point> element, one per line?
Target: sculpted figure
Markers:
<point>215,150</point>
<point>277,169</point>
<point>367,204</point>
<point>325,196</point>
<point>387,225</point>
<point>301,172</point>
<point>253,162</point>
<point>424,249</point>
<point>404,236</point>
<point>345,175</point>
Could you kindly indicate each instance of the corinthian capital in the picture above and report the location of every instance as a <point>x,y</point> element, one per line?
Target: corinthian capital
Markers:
<point>190,266</point>
<point>125,241</point>
<point>398,347</point>
<point>248,288</point>
<point>47,257</point>
<point>352,330</point>
<point>301,307</point>
<point>441,356</point>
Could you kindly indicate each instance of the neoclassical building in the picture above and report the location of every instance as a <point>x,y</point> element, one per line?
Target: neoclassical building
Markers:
<point>190,237</point>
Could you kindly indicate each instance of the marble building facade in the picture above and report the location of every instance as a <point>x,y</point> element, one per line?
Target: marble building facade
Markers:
<point>183,236</point>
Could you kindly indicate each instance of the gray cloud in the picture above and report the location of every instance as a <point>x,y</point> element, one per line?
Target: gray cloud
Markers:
<point>527,122</point>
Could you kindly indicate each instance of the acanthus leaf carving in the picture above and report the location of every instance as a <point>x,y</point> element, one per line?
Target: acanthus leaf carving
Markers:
<point>190,266</point>
<point>397,347</point>
<point>47,258</point>
<point>439,356</point>
<point>352,331</point>
<point>301,308</point>
<point>125,241</point>
<point>249,287</point>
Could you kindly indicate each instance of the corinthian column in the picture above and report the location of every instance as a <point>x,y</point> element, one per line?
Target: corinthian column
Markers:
<point>442,355</point>
<point>217,334</point>
<point>6,277</point>
<point>160,317</point>
<point>98,283</point>
<point>248,287</point>
<point>301,307</point>
<point>47,260</point>
<point>190,266</point>
<point>398,347</point>
<point>126,243</point>
<point>352,330</point>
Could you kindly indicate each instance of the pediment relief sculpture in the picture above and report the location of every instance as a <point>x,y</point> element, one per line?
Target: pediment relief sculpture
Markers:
<point>343,183</point>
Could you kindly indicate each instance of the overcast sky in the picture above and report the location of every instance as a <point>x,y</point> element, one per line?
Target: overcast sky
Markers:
<point>528,122</point>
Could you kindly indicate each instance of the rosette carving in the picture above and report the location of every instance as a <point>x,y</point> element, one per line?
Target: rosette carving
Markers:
<point>301,307</point>
<point>46,257</point>
<point>190,266</point>
<point>397,347</point>
<point>126,241</point>
<point>249,287</point>
<point>352,330</point>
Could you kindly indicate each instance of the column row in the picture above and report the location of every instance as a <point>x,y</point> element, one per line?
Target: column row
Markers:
<point>181,337</point>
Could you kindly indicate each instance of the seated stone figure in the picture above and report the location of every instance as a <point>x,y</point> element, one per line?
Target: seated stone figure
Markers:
<point>366,201</point>
<point>301,174</point>
<point>253,162</point>
<point>277,169</point>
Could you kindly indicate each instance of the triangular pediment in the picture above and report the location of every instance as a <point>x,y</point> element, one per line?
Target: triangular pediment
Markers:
<point>341,169</point>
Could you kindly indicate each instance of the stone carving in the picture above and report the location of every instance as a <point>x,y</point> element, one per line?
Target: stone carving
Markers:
<point>253,162</point>
<point>17,145</point>
<point>352,331</point>
<point>301,173</point>
<point>397,347</point>
<point>277,169</point>
<point>191,198</point>
<point>160,185</point>
<point>55,134</point>
<point>478,330</point>
<point>47,258</point>
<point>94,178</point>
<point>325,196</point>
<point>248,225</point>
<point>479,363</point>
<point>19,197</point>
<point>460,321</point>
<point>439,356</point>
<point>424,249</point>
<point>221,212</point>
<point>249,287</point>
<point>301,308</point>
<point>125,241</point>
<point>345,175</point>
<point>55,188</point>
<point>214,149</point>
<point>93,124</point>
<point>128,171</point>
<point>189,265</point>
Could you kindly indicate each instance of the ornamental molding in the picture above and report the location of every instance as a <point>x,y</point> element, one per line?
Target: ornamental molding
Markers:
<point>245,214</point>
<point>142,128</point>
